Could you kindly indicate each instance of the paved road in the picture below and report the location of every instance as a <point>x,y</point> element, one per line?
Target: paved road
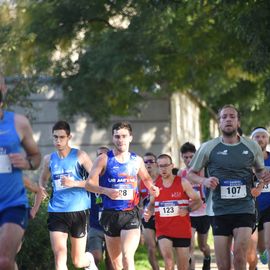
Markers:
<point>199,260</point>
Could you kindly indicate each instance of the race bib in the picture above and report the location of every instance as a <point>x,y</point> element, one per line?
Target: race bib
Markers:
<point>5,164</point>
<point>125,192</point>
<point>168,209</point>
<point>57,180</point>
<point>233,189</point>
<point>266,188</point>
<point>197,189</point>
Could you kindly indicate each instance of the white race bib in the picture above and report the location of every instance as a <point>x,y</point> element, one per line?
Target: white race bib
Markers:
<point>5,164</point>
<point>125,192</point>
<point>233,189</point>
<point>57,180</point>
<point>266,188</point>
<point>169,209</point>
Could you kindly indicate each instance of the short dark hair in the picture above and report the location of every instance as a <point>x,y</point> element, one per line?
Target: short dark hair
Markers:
<point>102,148</point>
<point>61,125</point>
<point>165,156</point>
<point>120,125</point>
<point>187,147</point>
<point>150,154</point>
<point>229,106</point>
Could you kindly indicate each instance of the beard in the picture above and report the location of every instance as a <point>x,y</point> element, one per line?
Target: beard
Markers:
<point>230,133</point>
<point>262,145</point>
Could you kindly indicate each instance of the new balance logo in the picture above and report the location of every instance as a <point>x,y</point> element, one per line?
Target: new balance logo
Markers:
<point>224,152</point>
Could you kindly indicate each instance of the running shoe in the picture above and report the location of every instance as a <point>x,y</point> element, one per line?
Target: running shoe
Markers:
<point>206,263</point>
<point>264,257</point>
<point>92,265</point>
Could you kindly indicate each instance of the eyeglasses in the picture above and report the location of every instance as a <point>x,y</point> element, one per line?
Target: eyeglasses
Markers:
<point>162,166</point>
<point>149,161</point>
<point>61,138</point>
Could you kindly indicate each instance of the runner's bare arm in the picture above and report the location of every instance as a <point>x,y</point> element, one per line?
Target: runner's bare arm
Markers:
<point>146,178</point>
<point>43,179</point>
<point>86,162</point>
<point>92,182</point>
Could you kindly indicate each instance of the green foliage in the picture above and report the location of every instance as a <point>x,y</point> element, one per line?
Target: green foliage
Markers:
<point>109,55</point>
<point>36,253</point>
<point>205,118</point>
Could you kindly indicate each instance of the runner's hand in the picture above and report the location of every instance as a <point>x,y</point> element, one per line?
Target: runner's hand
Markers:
<point>18,160</point>
<point>154,191</point>
<point>147,214</point>
<point>67,182</point>
<point>112,193</point>
<point>211,182</point>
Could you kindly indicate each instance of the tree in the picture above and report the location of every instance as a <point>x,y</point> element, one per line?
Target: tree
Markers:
<point>110,55</point>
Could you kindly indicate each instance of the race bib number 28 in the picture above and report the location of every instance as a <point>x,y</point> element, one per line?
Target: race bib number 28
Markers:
<point>125,192</point>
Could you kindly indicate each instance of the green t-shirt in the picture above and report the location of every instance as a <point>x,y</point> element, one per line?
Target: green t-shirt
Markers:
<point>233,165</point>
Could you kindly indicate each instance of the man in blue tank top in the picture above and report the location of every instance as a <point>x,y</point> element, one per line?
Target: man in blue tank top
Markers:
<point>119,170</point>
<point>230,160</point>
<point>70,202</point>
<point>16,135</point>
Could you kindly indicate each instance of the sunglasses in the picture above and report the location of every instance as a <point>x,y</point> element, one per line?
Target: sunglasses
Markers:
<point>162,166</point>
<point>149,161</point>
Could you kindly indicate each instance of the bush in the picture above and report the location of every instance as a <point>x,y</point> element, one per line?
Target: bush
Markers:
<point>36,253</point>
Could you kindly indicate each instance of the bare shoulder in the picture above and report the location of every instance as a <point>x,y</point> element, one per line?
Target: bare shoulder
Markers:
<point>21,121</point>
<point>82,155</point>
<point>102,159</point>
<point>139,159</point>
<point>46,162</point>
<point>23,126</point>
<point>185,183</point>
<point>46,159</point>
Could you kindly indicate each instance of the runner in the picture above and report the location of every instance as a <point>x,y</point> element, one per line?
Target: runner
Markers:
<point>96,238</point>
<point>15,135</point>
<point>149,230</point>
<point>69,203</point>
<point>173,228</point>
<point>200,222</point>
<point>120,218</point>
<point>230,160</point>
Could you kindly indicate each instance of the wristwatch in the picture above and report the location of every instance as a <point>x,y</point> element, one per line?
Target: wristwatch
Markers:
<point>31,164</point>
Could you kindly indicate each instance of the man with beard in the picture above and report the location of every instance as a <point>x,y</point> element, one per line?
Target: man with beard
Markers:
<point>230,161</point>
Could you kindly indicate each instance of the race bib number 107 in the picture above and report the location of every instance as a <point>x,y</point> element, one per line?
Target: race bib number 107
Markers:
<point>233,189</point>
